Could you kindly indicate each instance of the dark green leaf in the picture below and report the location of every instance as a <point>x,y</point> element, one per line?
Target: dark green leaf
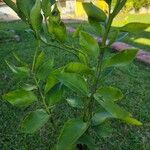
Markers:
<point>88,141</point>
<point>110,93</point>
<point>94,12</point>
<point>45,69</point>
<point>121,59</point>
<point>51,82</point>
<point>36,17</point>
<point>75,102</point>
<point>134,27</point>
<point>73,129</point>
<point>89,44</point>
<point>76,67</point>
<point>100,117</point>
<point>34,121</point>
<point>73,81</point>
<point>20,98</point>
<point>54,96</point>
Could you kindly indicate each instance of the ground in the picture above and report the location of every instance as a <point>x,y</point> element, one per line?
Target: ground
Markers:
<point>133,80</point>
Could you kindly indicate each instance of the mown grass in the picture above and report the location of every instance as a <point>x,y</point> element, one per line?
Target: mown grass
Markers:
<point>133,80</point>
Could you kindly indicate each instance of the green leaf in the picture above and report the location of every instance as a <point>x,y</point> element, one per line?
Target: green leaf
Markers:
<point>134,27</point>
<point>100,117</point>
<point>83,58</point>
<point>12,5</point>
<point>110,93</point>
<point>104,130</point>
<point>121,59</point>
<point>20,72</point>
<point>75,102</point>
<point>24,7</point>
<point>40,59</point>
<point>51,82</point>
<point>112,108</point>
<point>116,111</point>
<point>36,17</point>
<point>54,96</point>
<point>28,87</point>
<point>76,33</point>
<point>60,32</point>
<point>73,129</point>
<point>132,121</point>
<point>46,7</point>
<point>89,44</point>
<point>99,28</point>
<point>113,36</point>
<point>45,69</point>
<point>74,82</point>
<point>76,67</point>
<point>94,12</point>
<point>34,121</point>
<point>88,141</point>
<point>20,98</point>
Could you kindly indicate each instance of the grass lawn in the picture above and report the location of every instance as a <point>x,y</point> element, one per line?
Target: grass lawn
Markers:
<point>133,80</point>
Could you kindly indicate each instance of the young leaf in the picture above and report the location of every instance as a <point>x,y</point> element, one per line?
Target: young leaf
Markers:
<point>75,102</point>
<point>54,96</point>
<point>45,69</point>
<point>87,140</point>
<point>20,98</point>
<point>94,12</point>
<point>40,59</point>
<point>121,59</point>
<point>76,67</point>
<point>134,27</point>
<point>34,121</point>
<point>110,93</point>
<point>83,58</point>
<point>73,129</point>
<point>36,17</point>
<point>132,121</point>
<point>74,82</point>
<point>51,82</point>
<point>100,117</point>
<point>89,44</point>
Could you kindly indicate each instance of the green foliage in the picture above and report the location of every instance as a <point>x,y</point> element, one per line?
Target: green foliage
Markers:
<point>20,98</point>
<point>78,78</point>
<point>34,121</point>
<point>73,129</point>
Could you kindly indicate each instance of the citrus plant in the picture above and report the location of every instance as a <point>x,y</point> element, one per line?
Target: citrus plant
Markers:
<point>85,75</point>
